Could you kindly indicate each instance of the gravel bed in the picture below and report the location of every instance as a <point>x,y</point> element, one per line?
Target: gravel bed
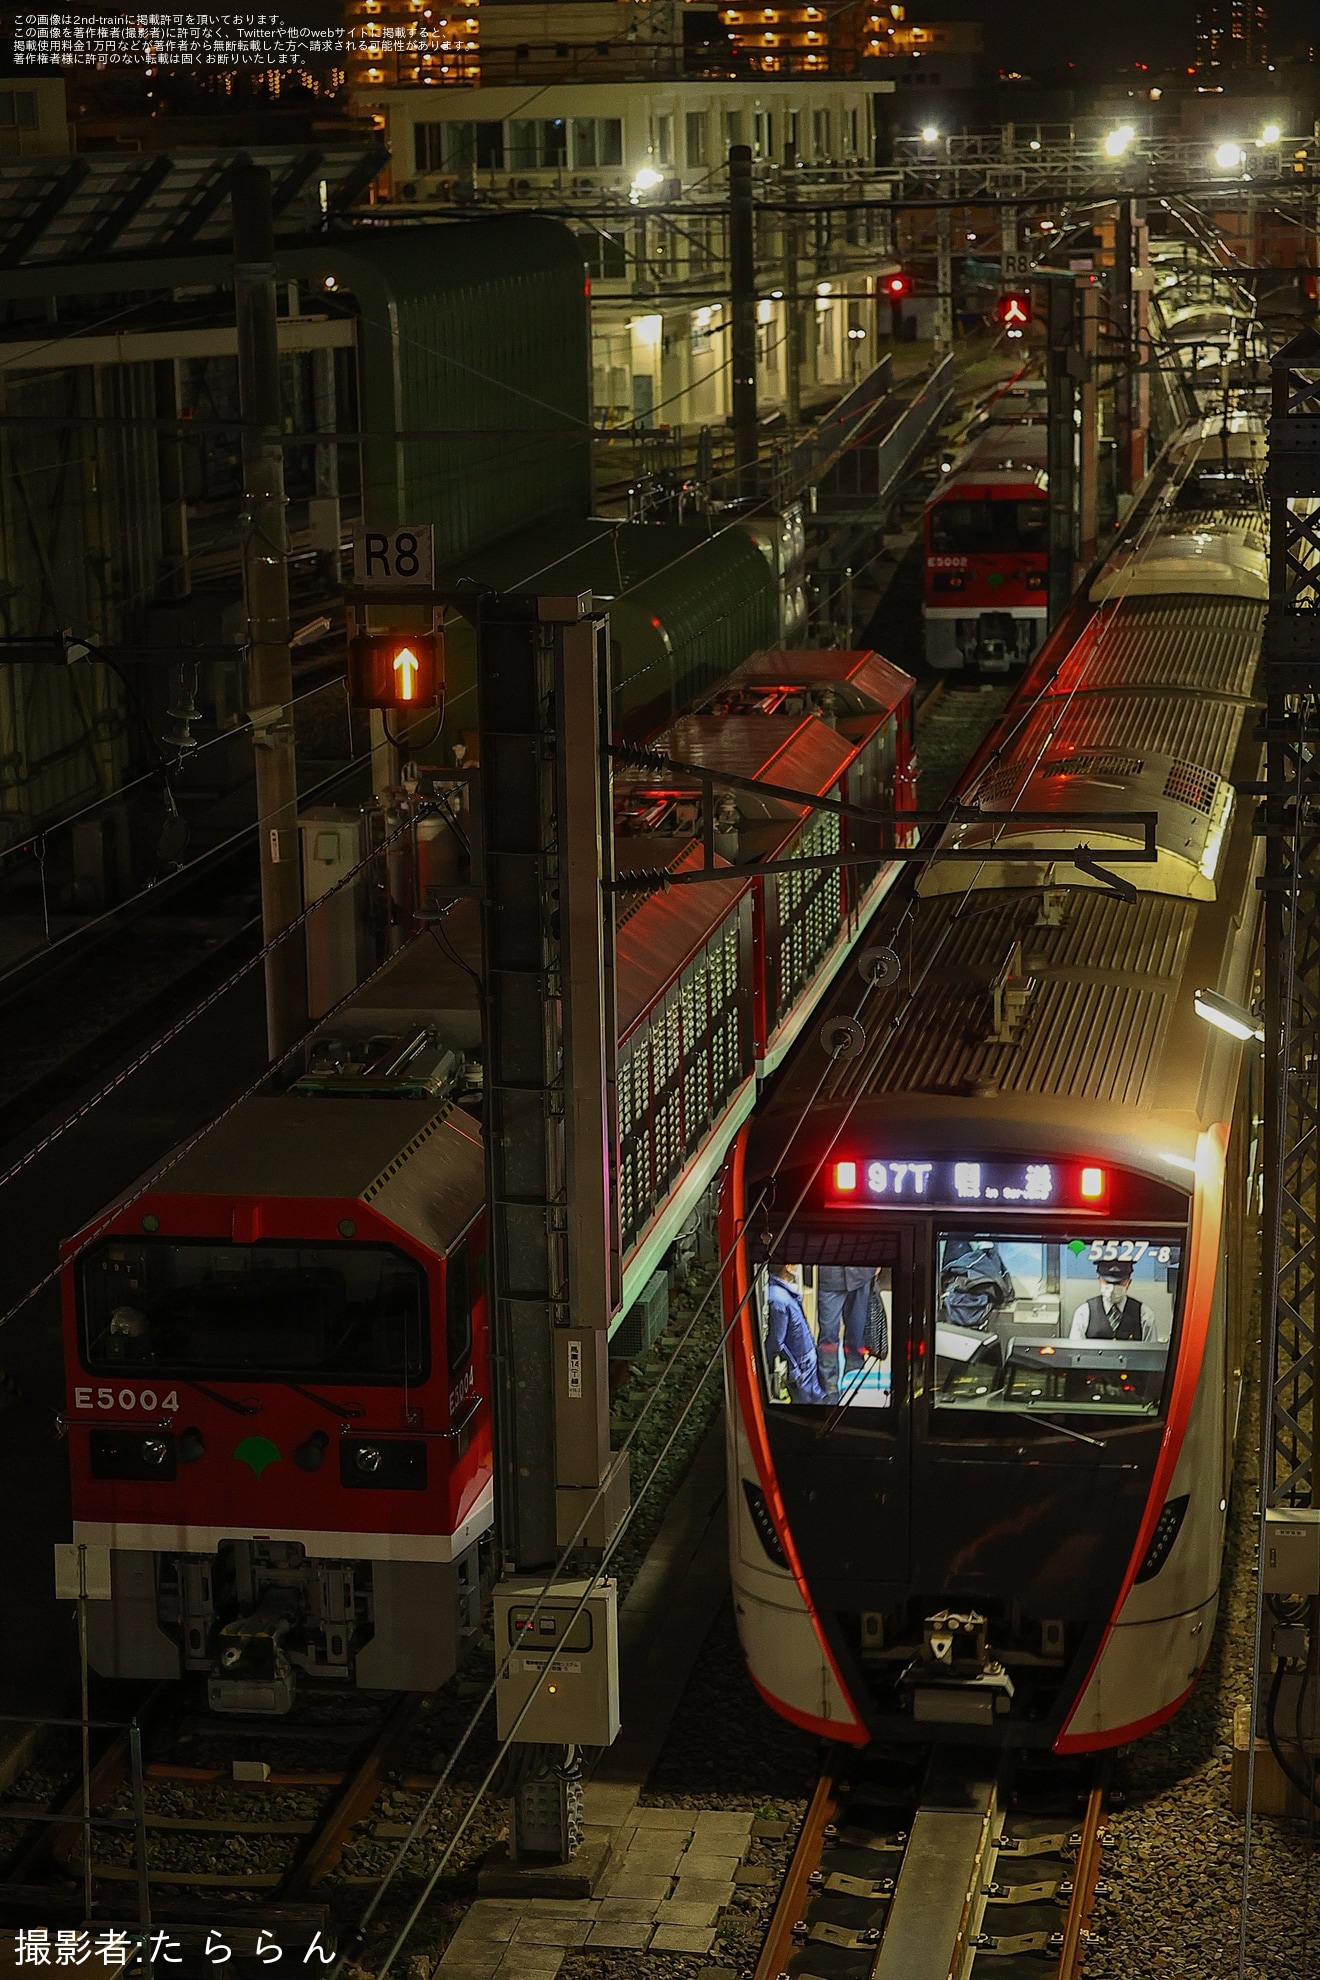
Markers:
<point>1176,1867</point>
<point>948,735</point>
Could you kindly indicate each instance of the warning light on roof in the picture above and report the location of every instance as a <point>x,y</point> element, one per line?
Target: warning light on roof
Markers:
<point>845,1176</point>
<point>1093,1184</point>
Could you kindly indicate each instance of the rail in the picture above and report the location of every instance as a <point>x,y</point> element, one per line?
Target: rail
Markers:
<point>942,1867</point>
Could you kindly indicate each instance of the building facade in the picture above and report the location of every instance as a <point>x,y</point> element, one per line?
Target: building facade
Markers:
<point>638,170</point>
<point>1231,34</point>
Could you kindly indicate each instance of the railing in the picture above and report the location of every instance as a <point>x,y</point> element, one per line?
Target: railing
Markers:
<point>679,1067</point>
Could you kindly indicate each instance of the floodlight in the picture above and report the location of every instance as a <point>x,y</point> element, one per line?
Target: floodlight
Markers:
<point>1227,1016</point>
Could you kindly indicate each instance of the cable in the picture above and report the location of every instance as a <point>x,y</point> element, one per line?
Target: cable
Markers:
<point>212,853</point>
<point>185,1148</point>
<point>358,1938</point>
<point>213,997</point>
<point>895,1025</point>
<point>145,777</point>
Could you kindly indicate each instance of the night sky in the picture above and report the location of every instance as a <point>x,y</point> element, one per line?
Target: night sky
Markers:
<point>1040,35</point>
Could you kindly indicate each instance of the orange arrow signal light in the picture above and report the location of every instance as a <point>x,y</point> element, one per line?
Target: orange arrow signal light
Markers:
<point>396,670</point>
<point>407,668</point>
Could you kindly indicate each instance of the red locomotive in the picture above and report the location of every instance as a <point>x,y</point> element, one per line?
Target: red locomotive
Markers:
<point>987,547</point>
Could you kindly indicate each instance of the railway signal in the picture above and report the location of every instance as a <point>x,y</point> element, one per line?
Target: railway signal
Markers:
<point>897,285</point>
<point>1014,311</point>
<point>399,671</point>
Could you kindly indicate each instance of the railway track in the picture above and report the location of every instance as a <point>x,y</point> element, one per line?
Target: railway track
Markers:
<point>941,1866</point>
<point>194,1841</point>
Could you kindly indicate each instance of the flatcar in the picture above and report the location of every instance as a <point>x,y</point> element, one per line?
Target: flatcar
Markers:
<point>987,544</point>
<point>277,1402</point>
<point>988,1233</point>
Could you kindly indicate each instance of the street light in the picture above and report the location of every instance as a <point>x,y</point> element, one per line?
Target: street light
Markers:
<point>647,180</point>
<point>1118,140</point>
<point>1228,157</point>
<point>929,134</point>
<point>1270,135</point>
<point>1227,1016</point>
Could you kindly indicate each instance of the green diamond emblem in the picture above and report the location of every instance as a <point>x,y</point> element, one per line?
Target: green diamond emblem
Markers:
<point>257,1452</point>
<point>1077,1246</point>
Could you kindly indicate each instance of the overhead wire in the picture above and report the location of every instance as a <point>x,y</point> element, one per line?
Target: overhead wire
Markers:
<point>833,1056</point>
<point>212,997</point>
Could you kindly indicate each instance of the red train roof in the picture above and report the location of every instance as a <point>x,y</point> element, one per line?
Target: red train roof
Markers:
<point>799,750</point>
<point>662,934</point>
<point>867,673</point>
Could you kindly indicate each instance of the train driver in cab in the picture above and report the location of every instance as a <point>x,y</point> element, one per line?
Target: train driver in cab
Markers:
<point>1112,1314</point>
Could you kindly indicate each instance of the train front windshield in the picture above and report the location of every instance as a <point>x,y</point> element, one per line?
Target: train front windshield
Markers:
<point>987,528</point>
<point>1064,1322</point>
<point>343,1312</point>
<point>1011,1322</point>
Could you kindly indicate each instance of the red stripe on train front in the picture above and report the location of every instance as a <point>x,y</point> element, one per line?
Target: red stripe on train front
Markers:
<point>1120,1735</point>
<point>748,1390</point>
<point>853,1735</point>
<point>1203,1267</point>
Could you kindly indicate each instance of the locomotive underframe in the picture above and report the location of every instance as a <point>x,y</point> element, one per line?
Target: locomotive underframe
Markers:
<point>257,1616</point>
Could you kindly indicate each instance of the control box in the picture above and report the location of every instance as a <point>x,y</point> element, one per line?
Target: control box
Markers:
<point>1292,1551</point>
<point>561,1651</point>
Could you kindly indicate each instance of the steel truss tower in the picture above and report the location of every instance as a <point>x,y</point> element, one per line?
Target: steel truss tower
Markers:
<point>1291,822</point>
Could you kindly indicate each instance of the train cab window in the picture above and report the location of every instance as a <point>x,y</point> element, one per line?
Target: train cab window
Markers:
<point>1057,1323</point>
<point>458,1308</point>
<point>827,1333</point>
<point>988,528</point>
<point>345,1312</point>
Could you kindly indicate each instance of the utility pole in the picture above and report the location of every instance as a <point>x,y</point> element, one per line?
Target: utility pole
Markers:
<point>1088,425</point>
<point>742,283</point>
<point>792,304</point>
<point>1120,304</point>
<point>552,1228</point>
<point>265,557</point>
<point>944,280</point>
<point>1061,389</point>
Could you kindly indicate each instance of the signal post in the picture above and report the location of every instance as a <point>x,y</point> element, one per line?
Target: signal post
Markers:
<point>553,1238</point>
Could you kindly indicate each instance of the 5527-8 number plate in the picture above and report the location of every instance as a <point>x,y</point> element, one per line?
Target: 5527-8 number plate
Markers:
<point>126,1399</point>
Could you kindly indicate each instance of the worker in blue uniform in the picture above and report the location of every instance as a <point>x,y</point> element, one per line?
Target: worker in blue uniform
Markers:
<point>843,1300</point>
<point>788,1335</point>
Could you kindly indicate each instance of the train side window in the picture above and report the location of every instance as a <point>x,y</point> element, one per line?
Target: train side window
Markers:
<point>1059,1323</point>
<point>458,1307</point>
<point>827,1331</point>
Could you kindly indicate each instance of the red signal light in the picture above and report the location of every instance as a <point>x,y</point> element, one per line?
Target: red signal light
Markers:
<point>845,1177</point>
<point>898,284</point>
<point>395,670</point>
<point>1093,1184</point>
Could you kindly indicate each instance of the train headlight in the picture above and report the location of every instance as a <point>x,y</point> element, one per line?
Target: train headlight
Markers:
<point>369,1458</point>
